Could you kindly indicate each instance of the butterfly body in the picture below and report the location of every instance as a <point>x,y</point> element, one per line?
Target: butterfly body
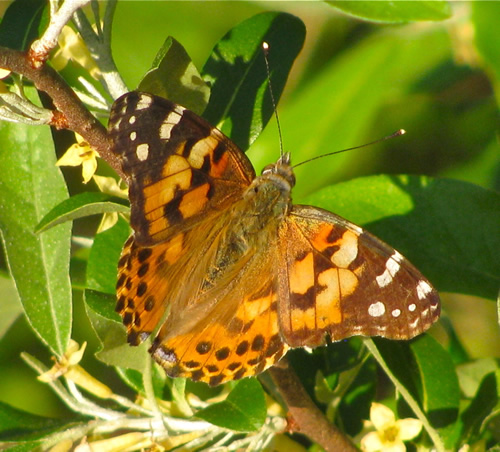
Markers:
<point>230,271</point>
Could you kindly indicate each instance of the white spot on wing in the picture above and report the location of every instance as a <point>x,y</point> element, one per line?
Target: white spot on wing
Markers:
<point>133,136</point>
<point>396,313</point>
<point>423,289</point>
<point>170,121</point>
<point>142,151</point>
<point>144,102</point>
<point>131,120</point>
<point>412,307</point>
<point>415,323</point>
<point>376,309</point>
<point>391,268</point>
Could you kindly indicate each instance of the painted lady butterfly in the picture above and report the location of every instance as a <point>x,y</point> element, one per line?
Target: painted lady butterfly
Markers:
<point>230,271</point>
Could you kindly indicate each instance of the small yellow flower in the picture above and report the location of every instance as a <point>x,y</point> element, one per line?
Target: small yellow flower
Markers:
<point>72,47</point>
<point>80,153</point>
<point>389,433</point>
<point>69,367</point>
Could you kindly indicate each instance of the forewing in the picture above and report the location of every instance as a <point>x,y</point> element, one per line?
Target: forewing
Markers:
<point>180,169</point>
<point>342,281</point>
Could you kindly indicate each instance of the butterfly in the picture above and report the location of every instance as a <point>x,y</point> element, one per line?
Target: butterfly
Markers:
<point>226,271</point>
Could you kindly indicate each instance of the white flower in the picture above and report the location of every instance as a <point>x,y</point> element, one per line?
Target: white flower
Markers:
<point>389,434</point>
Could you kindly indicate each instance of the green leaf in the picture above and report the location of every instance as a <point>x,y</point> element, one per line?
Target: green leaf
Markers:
<point>20,24</point>
<point>18,424</point>
<point>135,380</point>
<point>395,358</point>
<point>114,350</point>
<point>100,301</point>
<point>390,11</point>
<point>244,409</point>
<point>355,404</point>
<point>79,206</point>
<point>472,373</point>
<point>10,307</point>
<point>485,19</point>
<point>440,389</point>
<point>30,185</point>
<point>427,219</point>
<point>104,255</point>
<point>174,76</point>
<point>240,104</point>
<point>485,402</point>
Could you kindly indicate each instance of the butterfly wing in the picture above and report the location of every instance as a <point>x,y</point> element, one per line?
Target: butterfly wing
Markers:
<point>182,174</point>
<point>219,327</point>
<point>339,280</point>
<point>180,169</point>
<point>230,330</point>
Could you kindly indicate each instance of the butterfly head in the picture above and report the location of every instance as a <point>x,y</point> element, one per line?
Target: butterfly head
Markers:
<point>282,168</point>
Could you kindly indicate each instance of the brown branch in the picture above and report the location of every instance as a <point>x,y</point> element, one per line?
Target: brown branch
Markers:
<point>76,116</point>
<point>307,418</point>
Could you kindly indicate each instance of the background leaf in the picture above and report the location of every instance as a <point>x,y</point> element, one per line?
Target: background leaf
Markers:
<point>388,11</point>
<point>399,208</point>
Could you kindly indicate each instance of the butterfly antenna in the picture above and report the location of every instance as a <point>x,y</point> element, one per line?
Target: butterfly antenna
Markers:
<point>265,50</point>
<point>398,133</point>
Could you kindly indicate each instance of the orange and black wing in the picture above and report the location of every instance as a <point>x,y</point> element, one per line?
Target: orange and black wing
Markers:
<point>182,174</point>
<point>180,169</point>
<point>339,280</point>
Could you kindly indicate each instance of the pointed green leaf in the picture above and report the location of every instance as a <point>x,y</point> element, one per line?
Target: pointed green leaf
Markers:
<point>82,205</point>
<point>174,76</point>
<point>30,185</point>
<point>240,104</point>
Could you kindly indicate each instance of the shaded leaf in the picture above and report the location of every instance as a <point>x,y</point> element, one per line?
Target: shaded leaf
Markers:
<point>485,401</point>
<point>174,76</point>
<point>240,103</point>
<point>20,24</point>
<point>395,359</point>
